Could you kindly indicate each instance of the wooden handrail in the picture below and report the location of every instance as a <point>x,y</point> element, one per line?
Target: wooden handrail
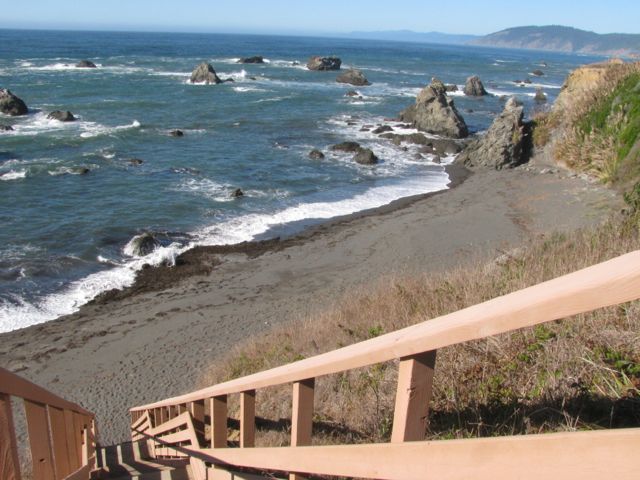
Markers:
<point>609,283</point>
<point>16,386</point>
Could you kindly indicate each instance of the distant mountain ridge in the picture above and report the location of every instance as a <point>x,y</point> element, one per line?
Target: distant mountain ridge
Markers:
<point>562,39</point>
<point>411,36</point>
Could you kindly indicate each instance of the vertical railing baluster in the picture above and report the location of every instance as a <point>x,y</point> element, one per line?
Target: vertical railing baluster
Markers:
<point>415,385</point>
<point>9,462</point>
<point>302,416</point>
<point>248,419</point>
<point>39,440</point>
<point>218,414</point>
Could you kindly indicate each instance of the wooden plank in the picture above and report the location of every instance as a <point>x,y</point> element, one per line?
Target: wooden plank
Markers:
<point>197,410</point>
<point>415,385</point>
<point>584,455</point>
<point>82,473</point>
<point>609,283</point>
<point>248,419</point>
<point>78,434</point>
<point>9,462</point>
<point>59,442</point>
<point>302,416</point>
<point>74,459</point>
<point>39,440</point>
<point>14,385</point>
<point>218,409</point>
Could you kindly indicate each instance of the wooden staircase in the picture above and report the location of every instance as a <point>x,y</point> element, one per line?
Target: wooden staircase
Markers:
<point>131,461</point>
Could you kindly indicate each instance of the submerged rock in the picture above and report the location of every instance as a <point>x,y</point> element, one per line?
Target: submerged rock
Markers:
<point>473,87</point>
<point>503,146</point>
<point>79,171</point>
<point>85,64</point>
<point>365,156</point>
<point>142,245</point>
<point>353,77</point>
<point>353,93</point>
<point>176,133</point>
<point>136,161</point>
<point>254,59</point>
<point>434,112</point>
<point>538,73</point>
<point>11,104</point>
<point>348,147</point>
<point>324,63</point>
<point>237,193</point>
<point>61,116</point>
<point>383,129</point>
<point>6,128</point>
<point>204,73</point>
<point>316,154</point>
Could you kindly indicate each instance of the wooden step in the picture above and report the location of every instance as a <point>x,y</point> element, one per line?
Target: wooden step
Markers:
<point>129,461</point>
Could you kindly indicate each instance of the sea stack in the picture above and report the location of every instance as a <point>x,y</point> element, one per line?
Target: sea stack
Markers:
<point>353,77</point>
<point>324,63</point>
<point>11,105</point>
<point>503,146</point>
<point>204,73</point>
<point>473,87</point>
<point>434,112</point>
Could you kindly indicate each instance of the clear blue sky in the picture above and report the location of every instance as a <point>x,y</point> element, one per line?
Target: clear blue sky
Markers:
<point>320,16</point>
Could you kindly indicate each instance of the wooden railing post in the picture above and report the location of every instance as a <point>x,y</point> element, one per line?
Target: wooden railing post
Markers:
<point>302,416</point>
<point>9,463</point>
<point>59,442</point>
<point>248,419</point>
<point>39,440</point>
<point>415,385</point>
<point>218,413</point>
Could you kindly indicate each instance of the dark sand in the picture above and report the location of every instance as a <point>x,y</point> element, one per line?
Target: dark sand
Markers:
<point>154,341</point>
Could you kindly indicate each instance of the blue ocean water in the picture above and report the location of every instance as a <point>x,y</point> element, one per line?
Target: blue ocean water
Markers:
<point>64,236</point>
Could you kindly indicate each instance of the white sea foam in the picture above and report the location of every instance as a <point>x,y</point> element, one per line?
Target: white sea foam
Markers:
<point>94,129</point>
<point>13,175</point>
<point>207,188</point>
<point>244,89</point>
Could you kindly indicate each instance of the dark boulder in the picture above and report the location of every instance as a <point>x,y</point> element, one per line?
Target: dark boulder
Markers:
<point>10,104</point>
<point>503,146</point>
<point>142,245</point>
<point>6,128</point>
<point>451,87</point>
<point>353,77</point>
<point>85,64</point>
<point>365,156</point>
<point>62,116</point>
<point>538,73</point>
<point>176,133</point>
<point>255,59</point>
<point>444,146</point>
<point>204,73</point>
<point>434,112</point>
<point>383,129</point>
<point>79,170</point>
<point>348,147</point>
<point>136,161</point>
<point>324,63</point>
<point>237,193</point>
<point>353,93</point>
<point>316,154</point>
<point>473,87</point>
<point>527,81</point>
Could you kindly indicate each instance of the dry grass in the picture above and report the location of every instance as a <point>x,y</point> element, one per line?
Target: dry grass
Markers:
<point>578,373</point>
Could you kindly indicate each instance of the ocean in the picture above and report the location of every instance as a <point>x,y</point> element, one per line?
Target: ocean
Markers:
<point>65,234</point>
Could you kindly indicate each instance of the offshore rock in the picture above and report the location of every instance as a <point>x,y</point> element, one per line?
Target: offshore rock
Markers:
<point>503,146</point>
<point>61,116</point>
<point>255,59</point>
<point>365,156</point>
<point>434,112</point>
<point>204,73</point>
<point>142,245</point>
<point>324,63</point>
<point>316,154</point>
<point>85,64</point>
<point>10,104</point>
<point>473,87</point>
<point>348,147</point>
<point>354,77</point>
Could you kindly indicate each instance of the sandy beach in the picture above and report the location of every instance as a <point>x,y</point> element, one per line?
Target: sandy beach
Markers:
<point>154,340</point>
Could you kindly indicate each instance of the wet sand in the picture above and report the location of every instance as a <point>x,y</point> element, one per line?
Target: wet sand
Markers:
<point>154,340</point>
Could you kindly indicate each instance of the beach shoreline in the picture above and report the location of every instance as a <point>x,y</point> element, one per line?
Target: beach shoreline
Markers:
<point>154,342</point>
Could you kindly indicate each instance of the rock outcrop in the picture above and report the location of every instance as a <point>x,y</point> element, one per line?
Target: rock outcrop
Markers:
<point>316,154</point>
<point>538,73</point>
<point>348,147</point>
<point>353,76</point>
<point>61,116</point>
<point>6,128</point>
<point>434,112</point>
<point>473,87</point>
<point>324,63</point>
<point>204,73</point>
<point>540,96</point>
<point>365,156</point>
<point>503,146</point>
<point>254,59</point>
<point>176,133</point>
<point>142,245</point>
<point>10,104</point>
<point>85,64</point>
<point>237,193</point>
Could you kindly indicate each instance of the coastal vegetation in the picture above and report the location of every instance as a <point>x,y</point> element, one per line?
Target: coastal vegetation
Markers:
<point>573,374</point>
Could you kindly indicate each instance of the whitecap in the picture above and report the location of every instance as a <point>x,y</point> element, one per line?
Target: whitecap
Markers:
<point>13,175</point>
